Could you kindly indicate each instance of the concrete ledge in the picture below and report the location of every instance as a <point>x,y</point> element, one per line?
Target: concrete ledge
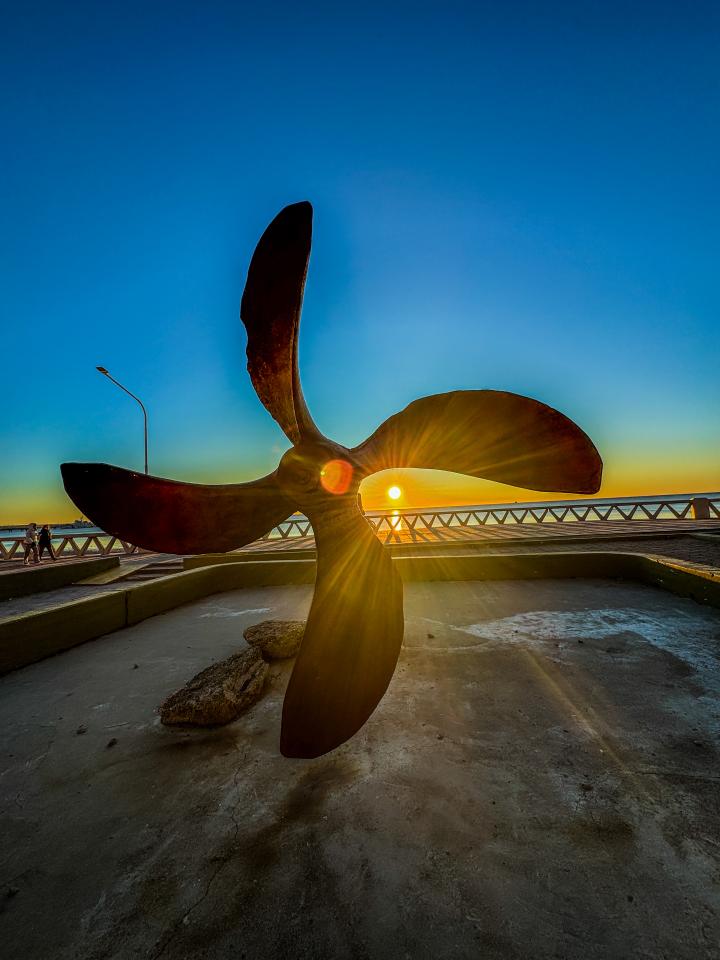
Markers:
<point>683,579</point>
<point>29,637</point>
<point>255,556</point>
<point>114,575</point>
<point>449,546</point>
<point>210,560</point>
<point>33,636</point>
<point>22,583</point>
<point>515,566</point>
<point>166,593</point>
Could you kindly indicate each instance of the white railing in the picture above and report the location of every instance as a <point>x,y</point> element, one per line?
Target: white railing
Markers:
<point>430,523</point>
<point>83,545</point>
<point>690,507</point>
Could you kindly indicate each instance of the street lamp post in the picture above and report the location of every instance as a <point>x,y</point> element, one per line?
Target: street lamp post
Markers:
<point>104,372</point>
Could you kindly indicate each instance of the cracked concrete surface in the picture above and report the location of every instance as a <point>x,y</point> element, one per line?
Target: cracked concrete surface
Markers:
<point>541,781</point>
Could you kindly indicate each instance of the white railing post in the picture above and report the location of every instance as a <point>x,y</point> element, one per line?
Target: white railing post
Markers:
<point>700,508</point>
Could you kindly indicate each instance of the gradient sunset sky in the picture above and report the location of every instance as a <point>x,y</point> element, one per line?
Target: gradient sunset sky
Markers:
<point>515,196</point>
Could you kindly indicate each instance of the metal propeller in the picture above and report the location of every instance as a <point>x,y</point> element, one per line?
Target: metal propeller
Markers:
<point>355,625</point>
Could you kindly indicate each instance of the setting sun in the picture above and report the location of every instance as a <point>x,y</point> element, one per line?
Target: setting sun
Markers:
<point>394,493</point>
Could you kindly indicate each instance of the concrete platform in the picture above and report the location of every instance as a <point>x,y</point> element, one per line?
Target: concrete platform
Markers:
<point>542,780</point>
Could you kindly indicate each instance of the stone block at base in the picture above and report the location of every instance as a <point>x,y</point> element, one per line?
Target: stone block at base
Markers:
<point>218,694</point>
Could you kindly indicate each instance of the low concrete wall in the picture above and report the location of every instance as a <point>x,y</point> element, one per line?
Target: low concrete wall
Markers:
<point>33,636</point>
<point>254,556</point>
<point>169,592</point>
<point>29,637</point>
<point>166,593</point>
<point>50,576</point>
<point>442,547</point>
<point>682,579</point>
<point>514,566</point>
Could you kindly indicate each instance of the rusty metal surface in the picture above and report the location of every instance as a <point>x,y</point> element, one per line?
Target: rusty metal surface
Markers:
<point>352,639</point>
<point>355,625</point>
<point>270,310</point>
<point>173,517</point>
<point>489,434</point>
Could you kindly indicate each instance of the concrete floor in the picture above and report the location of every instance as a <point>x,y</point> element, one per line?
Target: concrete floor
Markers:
<point>541,781</point>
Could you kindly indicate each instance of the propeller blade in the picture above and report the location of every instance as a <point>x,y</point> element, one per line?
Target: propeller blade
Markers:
<point>270,310</point>
<point>173,517</point>
<point>489,434</point>
<point>352,638</point>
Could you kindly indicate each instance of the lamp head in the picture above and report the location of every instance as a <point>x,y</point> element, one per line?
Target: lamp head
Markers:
<point>102,370</point>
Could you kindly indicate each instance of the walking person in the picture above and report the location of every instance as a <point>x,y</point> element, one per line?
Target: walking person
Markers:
<point>30,544</point>
<point>45,542</point>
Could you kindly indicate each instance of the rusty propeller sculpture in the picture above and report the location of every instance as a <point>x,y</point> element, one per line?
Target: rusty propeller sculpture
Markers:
<point>355,625</point>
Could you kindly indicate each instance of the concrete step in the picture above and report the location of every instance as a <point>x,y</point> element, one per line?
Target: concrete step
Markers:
<point>152,571</point>
<point>111,576</point>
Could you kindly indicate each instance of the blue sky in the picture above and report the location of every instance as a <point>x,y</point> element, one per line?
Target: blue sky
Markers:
<point>516,196</point>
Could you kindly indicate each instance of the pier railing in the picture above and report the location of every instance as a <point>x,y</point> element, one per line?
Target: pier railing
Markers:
<point>430,522</point>
<point>74,545</point>
<point>691,508</point>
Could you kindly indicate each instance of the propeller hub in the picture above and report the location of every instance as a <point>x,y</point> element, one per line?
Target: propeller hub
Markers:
<point>317,474</point>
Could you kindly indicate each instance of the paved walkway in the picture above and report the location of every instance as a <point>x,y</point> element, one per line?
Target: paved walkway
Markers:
<point>690,548</point>
<point>132,559</point>
<point>143,568</point>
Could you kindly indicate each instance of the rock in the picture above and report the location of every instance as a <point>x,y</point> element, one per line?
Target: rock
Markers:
<point>218,694</point>
<point>277,639</point>
<point>111,743</point>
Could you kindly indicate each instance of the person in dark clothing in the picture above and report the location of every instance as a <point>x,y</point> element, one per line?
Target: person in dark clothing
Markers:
<point>45,542</point>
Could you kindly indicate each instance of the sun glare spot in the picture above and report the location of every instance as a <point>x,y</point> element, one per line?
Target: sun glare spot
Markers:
<point>394,493</point>
<point>336,476</point>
